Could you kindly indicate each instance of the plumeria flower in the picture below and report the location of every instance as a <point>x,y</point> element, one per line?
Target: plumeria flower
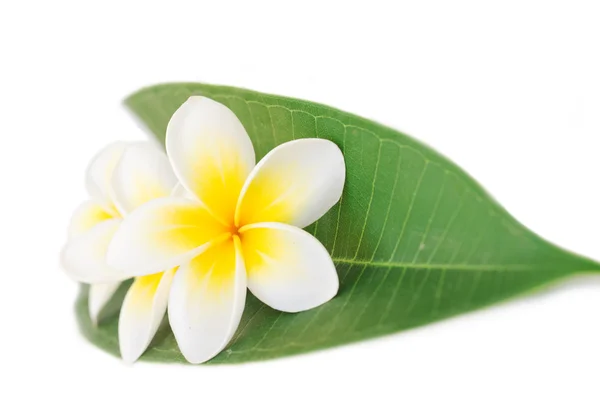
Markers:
<point>120,178</point>
<point>239,227</point>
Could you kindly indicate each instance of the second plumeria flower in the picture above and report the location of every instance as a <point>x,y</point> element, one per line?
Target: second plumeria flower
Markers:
<point>120,178</point>
<point>239,228</point>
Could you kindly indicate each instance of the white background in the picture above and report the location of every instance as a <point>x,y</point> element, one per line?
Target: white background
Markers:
<point>508,89</point>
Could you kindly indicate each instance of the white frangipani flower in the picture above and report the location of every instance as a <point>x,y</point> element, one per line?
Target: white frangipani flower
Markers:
<point>120,178</point>
<point>240,228</point>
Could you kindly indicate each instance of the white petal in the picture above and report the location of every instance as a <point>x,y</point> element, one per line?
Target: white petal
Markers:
<point>207,300</point>
<point>180,191</point>
<point>99,296</point>
<point>143,174</point>
<point>86,216</point>
<point>288,269</point>
<point>211,153</point>
<point>99,174</point>
<point>295,183</point>
<point>162,234</point>
<point>143,309</point>
<point>84,257</point>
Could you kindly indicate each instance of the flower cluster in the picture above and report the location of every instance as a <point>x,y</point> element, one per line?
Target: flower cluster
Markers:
<point>199,225</point>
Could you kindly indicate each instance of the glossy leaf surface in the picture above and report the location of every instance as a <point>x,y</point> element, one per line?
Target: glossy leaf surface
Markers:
<point>414,238</point>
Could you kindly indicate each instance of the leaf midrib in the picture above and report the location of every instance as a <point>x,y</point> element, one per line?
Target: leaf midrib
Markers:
<point>446,266</point>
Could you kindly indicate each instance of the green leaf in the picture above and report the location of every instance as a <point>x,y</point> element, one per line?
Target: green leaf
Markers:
<point>414,238</point>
